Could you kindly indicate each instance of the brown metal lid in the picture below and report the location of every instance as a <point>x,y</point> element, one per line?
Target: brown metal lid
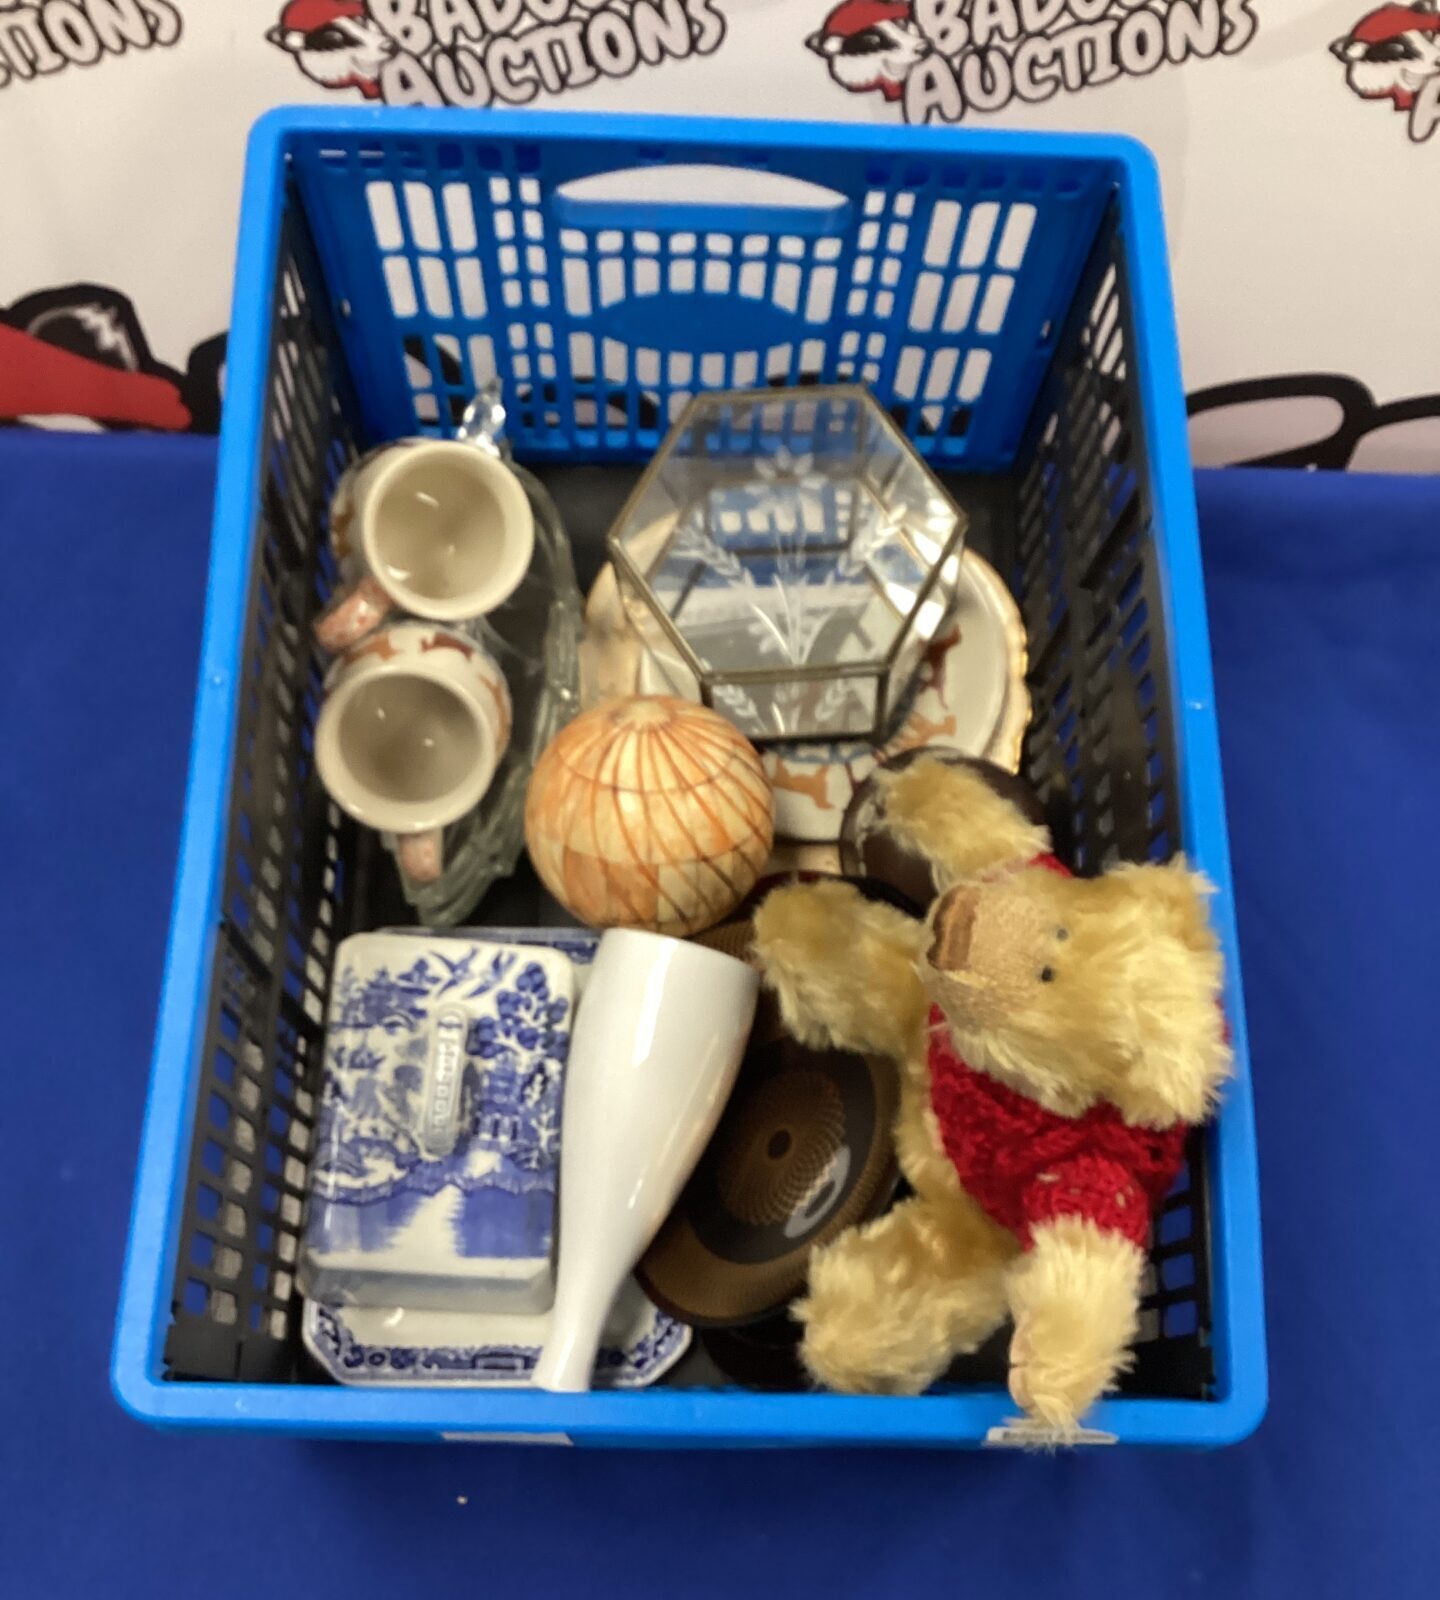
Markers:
<point>866,848</point>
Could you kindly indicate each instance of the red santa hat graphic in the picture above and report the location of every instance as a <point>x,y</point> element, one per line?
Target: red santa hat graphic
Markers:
<point>1393,22</point>
<point>854,15</point>
<point>305,16</point>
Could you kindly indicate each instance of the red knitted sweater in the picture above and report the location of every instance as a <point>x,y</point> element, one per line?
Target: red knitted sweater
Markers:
<point>1027,1166</point>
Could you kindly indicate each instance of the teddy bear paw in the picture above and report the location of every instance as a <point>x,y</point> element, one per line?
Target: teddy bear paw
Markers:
<point>1055,1389</point>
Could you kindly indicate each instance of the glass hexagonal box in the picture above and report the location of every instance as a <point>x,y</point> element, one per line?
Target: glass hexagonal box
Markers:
<point>787,558</point>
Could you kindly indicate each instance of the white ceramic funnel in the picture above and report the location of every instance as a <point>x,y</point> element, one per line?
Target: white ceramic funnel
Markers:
<point>657,1044</point>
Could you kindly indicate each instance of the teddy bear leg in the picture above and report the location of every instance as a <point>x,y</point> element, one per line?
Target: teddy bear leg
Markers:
<point>842,967</point>
<point>1075,1298</point>
<point>892,1303</point>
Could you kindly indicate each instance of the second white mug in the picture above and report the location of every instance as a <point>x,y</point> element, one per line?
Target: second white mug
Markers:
<point>414,723</point>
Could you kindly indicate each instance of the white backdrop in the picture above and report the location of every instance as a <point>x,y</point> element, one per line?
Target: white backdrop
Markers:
<point>1299,141</point>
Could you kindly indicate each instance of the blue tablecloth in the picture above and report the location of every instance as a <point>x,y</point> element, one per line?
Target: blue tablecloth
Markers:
<point>1325,608</point>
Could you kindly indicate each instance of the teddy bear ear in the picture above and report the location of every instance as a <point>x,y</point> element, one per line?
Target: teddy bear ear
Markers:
<point>1172,898</point>
<point>1180,1061</point>
<point>1172,1017</point>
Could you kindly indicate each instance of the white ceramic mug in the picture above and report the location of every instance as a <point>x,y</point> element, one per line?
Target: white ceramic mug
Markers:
<point>433,527</point>
<point>415,720</point>
<point>658,1041</point>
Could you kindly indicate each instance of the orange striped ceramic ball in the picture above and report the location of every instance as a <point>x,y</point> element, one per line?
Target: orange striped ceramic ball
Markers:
<point>649,812</point>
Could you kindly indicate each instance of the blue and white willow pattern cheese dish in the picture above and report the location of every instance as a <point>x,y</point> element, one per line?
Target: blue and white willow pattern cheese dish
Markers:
<point>434,1178</point>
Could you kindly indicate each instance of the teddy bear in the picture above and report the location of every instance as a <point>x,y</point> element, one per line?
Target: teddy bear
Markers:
<point>1056,1037</point>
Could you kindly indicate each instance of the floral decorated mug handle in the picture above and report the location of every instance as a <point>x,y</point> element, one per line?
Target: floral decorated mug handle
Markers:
<point>421,855</point>
<point>352,614</point>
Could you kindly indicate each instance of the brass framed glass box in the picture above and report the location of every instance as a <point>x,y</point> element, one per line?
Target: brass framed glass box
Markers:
<point>787,557</point>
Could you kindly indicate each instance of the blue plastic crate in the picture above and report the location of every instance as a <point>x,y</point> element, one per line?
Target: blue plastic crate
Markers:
<point>1006,296</point>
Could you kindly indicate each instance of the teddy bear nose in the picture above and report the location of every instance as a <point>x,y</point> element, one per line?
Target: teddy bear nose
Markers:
<point>952,925</point>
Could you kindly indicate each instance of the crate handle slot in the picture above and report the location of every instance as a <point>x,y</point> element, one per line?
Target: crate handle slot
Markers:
<point>703,197</point>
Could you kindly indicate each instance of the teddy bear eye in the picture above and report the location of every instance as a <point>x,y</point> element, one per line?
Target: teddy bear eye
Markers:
<point>1047,974</point>
<point>1062,934</point>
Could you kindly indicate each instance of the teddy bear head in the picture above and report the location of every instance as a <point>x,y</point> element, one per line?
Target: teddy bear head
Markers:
<point>1080,990</point>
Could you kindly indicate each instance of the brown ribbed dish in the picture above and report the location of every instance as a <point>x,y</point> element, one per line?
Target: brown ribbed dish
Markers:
<point>803,1150</point>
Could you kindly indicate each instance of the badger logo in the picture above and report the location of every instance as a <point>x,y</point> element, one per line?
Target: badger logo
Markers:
<point>335,43</point>
<point>1392,53</point>
<point>870,44</point>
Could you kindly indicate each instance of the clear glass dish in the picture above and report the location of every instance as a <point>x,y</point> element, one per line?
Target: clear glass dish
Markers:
<point>535,637</point>
<point>798,556</point>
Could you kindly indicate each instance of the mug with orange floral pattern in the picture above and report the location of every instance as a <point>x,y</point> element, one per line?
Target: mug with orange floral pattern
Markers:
<point>415,722</point>
<point>436,528</point>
